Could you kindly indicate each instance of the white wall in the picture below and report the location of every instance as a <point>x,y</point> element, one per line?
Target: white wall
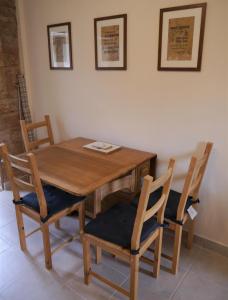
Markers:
<point>162,112</point>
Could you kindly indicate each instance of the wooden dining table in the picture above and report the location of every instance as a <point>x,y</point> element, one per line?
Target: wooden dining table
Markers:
<point>80,171</point>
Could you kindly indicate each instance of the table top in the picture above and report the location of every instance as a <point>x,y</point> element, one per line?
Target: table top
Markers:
<point>80,171</point>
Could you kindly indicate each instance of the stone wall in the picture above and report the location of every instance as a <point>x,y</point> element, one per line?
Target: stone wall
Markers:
<point>9,67</point>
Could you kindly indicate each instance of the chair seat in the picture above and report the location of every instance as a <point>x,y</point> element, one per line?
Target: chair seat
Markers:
<point>56,199</point>
<point>116,225</point>
<point>172,203</point>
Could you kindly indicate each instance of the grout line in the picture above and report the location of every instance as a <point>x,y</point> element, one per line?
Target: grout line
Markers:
<point>70,288</point>
<point>3,251</point>
<point>4,239</point>
<point>113,268</point>
<point>115,292</point>
<point>10,221</point>
<point>181,282</point>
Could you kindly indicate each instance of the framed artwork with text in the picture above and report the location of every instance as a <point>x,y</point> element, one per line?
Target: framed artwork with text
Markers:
<point>59,45</point>
<point>181,34</point>
<point>110,34</point>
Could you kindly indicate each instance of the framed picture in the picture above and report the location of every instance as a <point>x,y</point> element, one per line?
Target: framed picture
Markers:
<point>110,34</point>
<point>181,36</point>
<point>59,45</point>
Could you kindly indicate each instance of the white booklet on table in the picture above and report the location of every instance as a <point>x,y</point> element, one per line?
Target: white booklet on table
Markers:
<point>102,147</point>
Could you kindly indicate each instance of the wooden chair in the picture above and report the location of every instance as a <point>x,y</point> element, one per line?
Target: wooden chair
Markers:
<point>127,232</point>
<point>32,145</point>
<point>176,214</point>
<point>44,204</point>
<point>25,128</point>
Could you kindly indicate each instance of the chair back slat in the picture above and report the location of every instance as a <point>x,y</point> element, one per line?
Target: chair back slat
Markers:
<point>194,176</point>
<point>143,214</point>
<point>18,161</point>
<point>160,181</point>
<point>25,128</point>
<point>31,126</point>
<point>19,168</point>
<point>186,189</point>
<point>19,164</point>
<point>195,184</point>
<point>153,210</point>
<point>201,170</point>
<point>198,174</point>
<point>23,185</point>
<point>35,144</point>
<point>27,166</point>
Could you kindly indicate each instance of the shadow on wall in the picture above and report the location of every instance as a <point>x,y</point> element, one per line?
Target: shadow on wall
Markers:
<point>61,131</point>
<point>181,168</point>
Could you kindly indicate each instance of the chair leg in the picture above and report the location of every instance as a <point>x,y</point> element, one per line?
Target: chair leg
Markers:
<point>2,174</point>
<point>134,269</point>
<point>177,247</point>
<point>157,253</point>
<point>191,234</point>
<point>81,212</point>
<point>86,260</point>
<point>57,224</point>
<point>21,229</point>
<point>98,255</point>
<point>47,246</point>
<point>97,209</point>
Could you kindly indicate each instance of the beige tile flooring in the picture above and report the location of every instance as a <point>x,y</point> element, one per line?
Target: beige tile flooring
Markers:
<point>203,274</point>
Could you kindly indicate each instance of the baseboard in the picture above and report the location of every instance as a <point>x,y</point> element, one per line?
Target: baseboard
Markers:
<point>203,242</point>
<point>208,244</point>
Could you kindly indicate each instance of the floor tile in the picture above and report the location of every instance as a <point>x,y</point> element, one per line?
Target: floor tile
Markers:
<point>212,266</point>
<point>195,286</point>
<point>4,245</point>
<point>7,215</point>
<point>13,265</point>
<point>68,226</point>
<point>160,288</point>
<point>187,257</point>
<point>96,289</point>
<point>67,262</point>
<point>203,274</point>
<point>27,283</point>
<point>10,231</point>
<point>6,198</point>
<point>38,291</point>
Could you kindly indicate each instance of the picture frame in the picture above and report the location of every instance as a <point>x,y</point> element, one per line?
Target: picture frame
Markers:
<point>110,39</point>
<point>181,35</point>
<point>60,46</point>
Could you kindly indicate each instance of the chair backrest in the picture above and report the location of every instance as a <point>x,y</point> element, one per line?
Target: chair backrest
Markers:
<point>143,215</point>
<point>27,166</point>
<point>194,176</point>
<point>26,127</point>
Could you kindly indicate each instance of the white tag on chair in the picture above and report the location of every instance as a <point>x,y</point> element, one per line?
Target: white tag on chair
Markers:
<point>192,212</point>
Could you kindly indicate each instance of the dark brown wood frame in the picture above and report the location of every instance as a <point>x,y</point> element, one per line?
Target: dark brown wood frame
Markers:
<point>124,16</point>
<point>202,29</point>
<point>70,46</point>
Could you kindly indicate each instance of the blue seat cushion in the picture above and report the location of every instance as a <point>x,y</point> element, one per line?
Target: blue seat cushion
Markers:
<point>116,225</point>
<point>56,199</point>
<point>172,203</point>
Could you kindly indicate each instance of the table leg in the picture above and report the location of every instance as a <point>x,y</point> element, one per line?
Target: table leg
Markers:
<point>97,210</point>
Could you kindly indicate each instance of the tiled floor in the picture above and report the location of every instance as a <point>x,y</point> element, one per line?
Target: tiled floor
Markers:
<point>203,274</point>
